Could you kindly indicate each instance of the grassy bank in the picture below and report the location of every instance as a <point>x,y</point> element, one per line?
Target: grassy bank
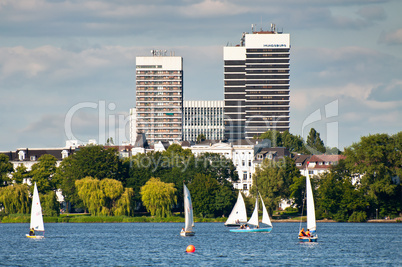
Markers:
<point>87,218</point>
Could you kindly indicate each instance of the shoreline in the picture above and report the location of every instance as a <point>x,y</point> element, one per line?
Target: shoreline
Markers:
<point>396,220</point>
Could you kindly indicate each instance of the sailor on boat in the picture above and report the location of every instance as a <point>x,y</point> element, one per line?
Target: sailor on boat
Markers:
<point>32,232</point>
<point>302,233</point>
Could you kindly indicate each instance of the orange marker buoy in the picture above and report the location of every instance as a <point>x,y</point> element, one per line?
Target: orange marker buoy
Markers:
<point>190,249</point>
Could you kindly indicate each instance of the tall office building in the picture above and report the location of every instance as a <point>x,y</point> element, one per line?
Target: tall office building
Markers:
<point>159,96</point>
<point>256,77</point>
<point>203,117</point>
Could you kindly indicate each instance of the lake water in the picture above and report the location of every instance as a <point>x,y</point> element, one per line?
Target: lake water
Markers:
<point>160,244</point>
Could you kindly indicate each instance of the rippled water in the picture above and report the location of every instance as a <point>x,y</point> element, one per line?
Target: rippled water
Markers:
<point>153,244</point>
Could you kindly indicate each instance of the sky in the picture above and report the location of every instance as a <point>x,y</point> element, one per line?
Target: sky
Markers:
<point>67,68</point>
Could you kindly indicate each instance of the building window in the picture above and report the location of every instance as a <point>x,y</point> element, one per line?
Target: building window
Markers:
<point>249,163</point>
<point>244,176</point>
<point>310,172</point>
<point>243,163</point>
<point>33,158</point>
<point>21,155</point>
<point>244,186</point>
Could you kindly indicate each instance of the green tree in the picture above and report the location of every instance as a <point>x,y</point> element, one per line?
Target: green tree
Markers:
<point>112,190</point>
<point>158,197</point>
<point>104,197</point>
<point>66,175</point>
<point>314,143</point>
<point>92,196</point>
<point>375,159</point>
<point>15,198</point>
<point>204,190</point>
<point>89,161</point>
<point>124,204</point>
<point>217,166</point>
<point>20,174</point>
<point>42,173</point>
<point>5,168</point>
<point>49,203</point>
<point>293,143</point>
<point>273,179</point>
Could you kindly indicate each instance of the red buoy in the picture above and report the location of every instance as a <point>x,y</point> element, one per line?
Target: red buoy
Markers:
<point>190,249</point>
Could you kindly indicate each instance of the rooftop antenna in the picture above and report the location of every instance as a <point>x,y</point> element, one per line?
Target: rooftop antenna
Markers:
<point>261,23</point>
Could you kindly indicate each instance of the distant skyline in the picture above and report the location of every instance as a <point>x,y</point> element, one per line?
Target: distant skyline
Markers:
<point>67,68</point>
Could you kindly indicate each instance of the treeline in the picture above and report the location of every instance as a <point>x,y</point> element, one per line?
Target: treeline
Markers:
<point>364,185</point>
<point>94,179</point>
<point>295,143</point>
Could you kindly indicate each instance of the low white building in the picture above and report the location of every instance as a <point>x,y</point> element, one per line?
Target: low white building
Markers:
<point>241,152</point>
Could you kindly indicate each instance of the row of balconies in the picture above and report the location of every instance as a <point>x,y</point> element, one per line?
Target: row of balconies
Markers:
<point>158,83</point>
<point>158,94</point>
<point>161,119</point>
<point>158,78</point>
<point>147,110</point>
<point>152,105</point>
<point>151,72</point>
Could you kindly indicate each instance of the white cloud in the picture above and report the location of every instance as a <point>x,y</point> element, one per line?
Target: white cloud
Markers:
<point>391,38</point>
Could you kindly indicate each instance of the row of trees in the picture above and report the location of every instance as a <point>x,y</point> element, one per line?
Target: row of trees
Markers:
<point>295,143</point>
<point>95,179</point>
<point>363,185</point>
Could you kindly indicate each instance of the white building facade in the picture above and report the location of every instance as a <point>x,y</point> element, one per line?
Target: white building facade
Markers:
<point>159,97</point>
<point>203,117</point>
<point>241,152</point>
<point>256,84</point>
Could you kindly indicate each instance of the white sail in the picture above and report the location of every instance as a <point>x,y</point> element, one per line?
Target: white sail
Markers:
<point>36,212</point>
<point>254,217</point>
<point>311,224</point>
<point>265,216</point>
<point>239,213</point>
<point>188,210</point>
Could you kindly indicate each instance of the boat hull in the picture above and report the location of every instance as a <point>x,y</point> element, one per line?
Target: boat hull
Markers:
<point>233,225</point>
<point>256,230</point>
<point>35,236</point>
<point>308,239</point>
<point>187,233</point>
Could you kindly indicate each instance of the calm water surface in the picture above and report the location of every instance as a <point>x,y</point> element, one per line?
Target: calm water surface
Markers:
<point>155,244</point>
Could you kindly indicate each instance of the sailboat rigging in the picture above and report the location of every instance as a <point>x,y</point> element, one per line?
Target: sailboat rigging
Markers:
<point>188,214</point>
<point>311,221</point>
<point>36,224</point>
<point>254,222</point>
<point>238,215</point>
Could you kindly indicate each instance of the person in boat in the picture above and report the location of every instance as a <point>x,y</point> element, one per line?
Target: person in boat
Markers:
<point>247,227</point>
<point>31,232</point>
<point>302,233</point>
<point>242,226</point>
<point>308,233</point>
<point>182,229</point>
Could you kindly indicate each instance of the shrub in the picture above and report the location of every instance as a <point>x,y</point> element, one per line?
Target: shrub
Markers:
<point>358,216</point>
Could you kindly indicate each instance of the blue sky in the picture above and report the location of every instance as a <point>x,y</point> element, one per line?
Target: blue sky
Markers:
<point>67,68</point>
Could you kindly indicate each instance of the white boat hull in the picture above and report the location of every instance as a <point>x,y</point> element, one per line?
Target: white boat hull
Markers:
<point>187,233</point>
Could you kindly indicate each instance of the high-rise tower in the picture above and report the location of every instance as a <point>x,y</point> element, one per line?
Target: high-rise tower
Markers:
<point>256,77</point>
<point>159,96</point>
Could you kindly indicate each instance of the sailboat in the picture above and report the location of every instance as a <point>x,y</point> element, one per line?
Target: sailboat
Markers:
<point>188,214</point>
<point>254,222</point>
<point>311,223</point>
<point>238,215</point>
<point>36,216</point>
